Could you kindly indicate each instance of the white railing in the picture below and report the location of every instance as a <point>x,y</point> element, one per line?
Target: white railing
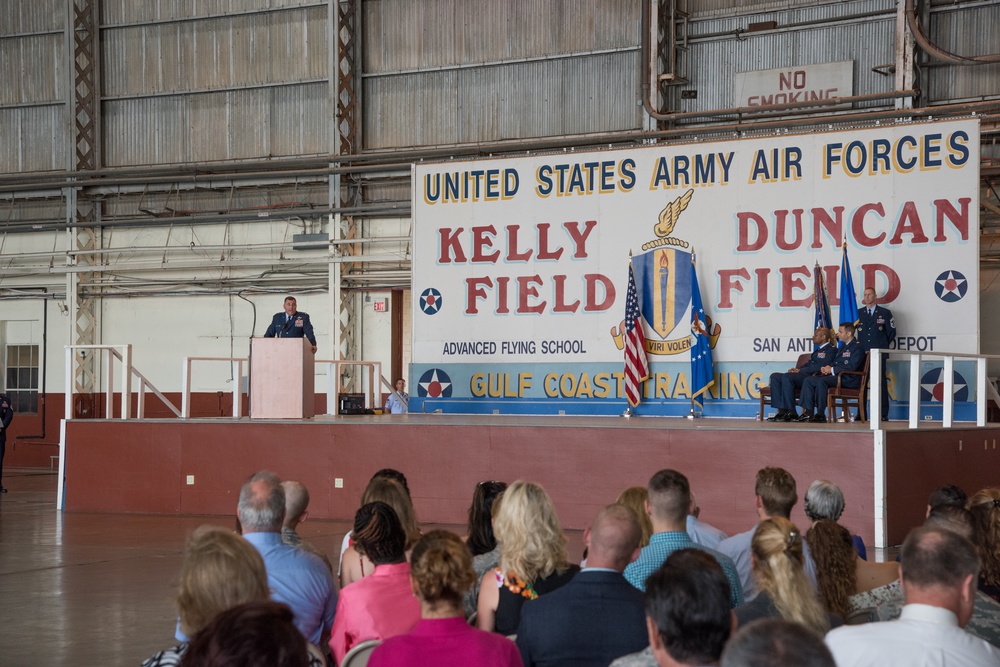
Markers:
<point>123,353</point>
<point>947,400</point>
<point>186,369</point>
<point>333,368</point>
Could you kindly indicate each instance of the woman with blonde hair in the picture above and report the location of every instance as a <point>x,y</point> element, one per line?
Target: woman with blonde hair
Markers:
<point>985,508</point>
<point>354,566</point>
<point>779,574</point>
<point>220,570</point>
<point>441,573</point>
<point>848,583</point>
<point>533,559</point>
<point>634,498</point>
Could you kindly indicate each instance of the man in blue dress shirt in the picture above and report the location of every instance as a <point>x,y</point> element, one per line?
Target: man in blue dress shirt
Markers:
<point>669,499</point>
<point>775,495</point>
<point>290,323</point>
<point>296,577</point>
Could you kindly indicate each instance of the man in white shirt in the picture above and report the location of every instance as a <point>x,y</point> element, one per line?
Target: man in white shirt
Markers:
<point>939,572</point>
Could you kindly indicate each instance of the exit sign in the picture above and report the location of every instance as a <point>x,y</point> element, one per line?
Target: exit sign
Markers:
<point>379,306</point>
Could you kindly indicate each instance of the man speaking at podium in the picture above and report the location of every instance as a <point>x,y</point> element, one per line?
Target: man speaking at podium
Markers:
<point>291,324</point>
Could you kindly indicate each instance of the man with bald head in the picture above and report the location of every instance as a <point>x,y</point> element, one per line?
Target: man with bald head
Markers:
<point>296,511</point>
<point>939,571</point>
<point>598,616</point>
<point>296,577</point>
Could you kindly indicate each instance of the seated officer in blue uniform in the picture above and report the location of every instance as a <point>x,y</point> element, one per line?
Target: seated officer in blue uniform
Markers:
<point>784,385</point>
<point>851,357</point>
<point>291,324</point>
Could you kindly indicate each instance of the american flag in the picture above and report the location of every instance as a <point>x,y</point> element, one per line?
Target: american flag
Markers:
<point>636,366</point>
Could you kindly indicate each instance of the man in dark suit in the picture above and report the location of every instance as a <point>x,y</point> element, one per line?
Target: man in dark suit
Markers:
<point>598,616</point>
<point>783,385</point>
<point>876,329</point>
<point>6,415</point>
<point>851,357</point>
<point>291,324</point>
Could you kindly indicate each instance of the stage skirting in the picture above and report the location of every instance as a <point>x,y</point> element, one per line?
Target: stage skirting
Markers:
<point>197,466</point>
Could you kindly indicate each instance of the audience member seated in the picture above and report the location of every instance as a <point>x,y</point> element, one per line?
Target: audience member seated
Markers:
<point>947,494</point>
<point>596,617</point>
<point>775,642</point>
<point>782,587</point>
<point>296,511</point>
<point>939,574</point>
<point>985,508</point>
<point>441,572</point>
<point>848,584</point>
<point>220,570</point>
<point>985,621</point>
<point>384,473</point>
<point>701,532</point>
<point>481,541</point>
<point>533,559</point>
<point>353,565</point>
<point>775,496</point>
<point>669,499</point>
<point>252,634</point>
<point>688,618</point>
<point>382,604</point>
<point>825,500</point>
<point>296,577</point>
<point>635,498</point>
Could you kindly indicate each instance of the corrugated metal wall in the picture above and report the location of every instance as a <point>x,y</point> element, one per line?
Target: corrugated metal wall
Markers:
<point>706,8</point>
<point>453,71</point>
<point>967,32</point>
<point>202,81</point>
<point>32,88</point>
<point>862,31</point>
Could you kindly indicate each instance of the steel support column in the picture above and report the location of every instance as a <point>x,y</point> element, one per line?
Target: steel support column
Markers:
<point>84,53</point>
<point>344,191</point>
<point>904,57</point>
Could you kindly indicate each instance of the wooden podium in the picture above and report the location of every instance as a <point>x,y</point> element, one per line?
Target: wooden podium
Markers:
<point>282,380</point>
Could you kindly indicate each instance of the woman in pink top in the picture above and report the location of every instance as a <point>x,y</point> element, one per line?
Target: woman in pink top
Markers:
<point>382,604</point>
<point>442,572</point>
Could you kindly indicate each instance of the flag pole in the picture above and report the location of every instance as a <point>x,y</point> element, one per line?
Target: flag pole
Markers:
<point>629,411</point>
<point>692,414</point>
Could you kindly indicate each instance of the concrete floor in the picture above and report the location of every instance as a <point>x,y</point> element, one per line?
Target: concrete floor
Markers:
<point>96,589</point>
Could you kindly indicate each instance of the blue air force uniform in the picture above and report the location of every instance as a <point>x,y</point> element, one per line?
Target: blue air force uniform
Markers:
<point>784,385</point>
<point>291,326</point>
<point>877,330</point>
<point>851,357</point>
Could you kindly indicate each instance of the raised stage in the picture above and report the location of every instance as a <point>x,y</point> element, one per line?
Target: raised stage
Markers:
<point>197,466</point>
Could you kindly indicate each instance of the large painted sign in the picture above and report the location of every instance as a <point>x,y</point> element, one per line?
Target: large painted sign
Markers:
<point>520,266</point>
